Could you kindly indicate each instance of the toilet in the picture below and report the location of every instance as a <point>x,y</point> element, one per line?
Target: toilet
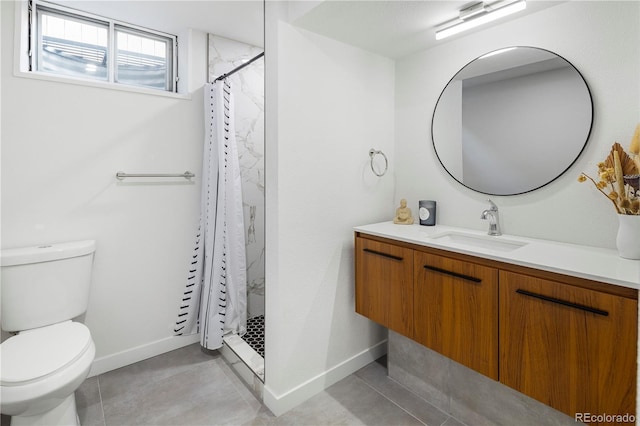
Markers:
<point>43,289</point>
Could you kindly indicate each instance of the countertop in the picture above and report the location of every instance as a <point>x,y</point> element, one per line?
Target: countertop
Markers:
<point>593,263</point>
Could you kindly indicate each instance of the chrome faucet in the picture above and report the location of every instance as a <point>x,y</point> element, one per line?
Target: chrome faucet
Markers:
<point>492,215</point>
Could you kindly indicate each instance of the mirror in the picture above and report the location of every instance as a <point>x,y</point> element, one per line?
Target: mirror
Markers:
<point>512,121</point>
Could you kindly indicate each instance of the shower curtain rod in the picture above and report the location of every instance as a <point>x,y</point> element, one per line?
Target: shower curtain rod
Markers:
<point>238,68</point>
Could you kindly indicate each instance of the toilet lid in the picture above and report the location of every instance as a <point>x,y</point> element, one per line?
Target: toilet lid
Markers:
<point>34,354</point>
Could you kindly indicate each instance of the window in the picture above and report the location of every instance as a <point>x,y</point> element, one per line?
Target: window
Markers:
<point>75,44</point>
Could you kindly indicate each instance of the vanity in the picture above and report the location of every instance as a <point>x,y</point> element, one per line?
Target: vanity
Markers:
<point>553,321</point>
<point>499,329</point>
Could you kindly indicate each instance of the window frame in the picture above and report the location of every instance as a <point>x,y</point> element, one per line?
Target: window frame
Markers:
<point>35,42</point>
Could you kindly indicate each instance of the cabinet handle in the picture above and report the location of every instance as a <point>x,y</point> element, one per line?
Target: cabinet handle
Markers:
<point>563,302</point>
<point>390,256</point>
<point>454,274</point>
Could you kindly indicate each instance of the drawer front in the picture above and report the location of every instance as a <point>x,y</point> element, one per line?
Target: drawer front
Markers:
<point>384,284</point>
<point>568,347</point>
<point>456,310</point>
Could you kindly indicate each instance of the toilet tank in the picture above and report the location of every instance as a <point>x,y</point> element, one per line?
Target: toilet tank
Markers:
<point>45,284</point>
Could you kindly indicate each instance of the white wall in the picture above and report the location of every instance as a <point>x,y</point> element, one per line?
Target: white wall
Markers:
<point>61,147</point>
<point>327,105</point>
<point>600,38</point>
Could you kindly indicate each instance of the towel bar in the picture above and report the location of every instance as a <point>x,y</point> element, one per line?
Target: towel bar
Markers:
<point>186,175</point>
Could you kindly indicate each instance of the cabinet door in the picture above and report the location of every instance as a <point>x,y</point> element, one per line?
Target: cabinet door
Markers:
<point>456,310</point>
<point>568,347</point>
<point>384,284</point>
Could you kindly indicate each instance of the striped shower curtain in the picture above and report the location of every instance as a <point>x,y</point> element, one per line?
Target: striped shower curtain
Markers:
<point>214,301</point>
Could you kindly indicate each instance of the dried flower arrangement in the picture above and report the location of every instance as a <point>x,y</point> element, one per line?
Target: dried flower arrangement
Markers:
<point>619,174</point>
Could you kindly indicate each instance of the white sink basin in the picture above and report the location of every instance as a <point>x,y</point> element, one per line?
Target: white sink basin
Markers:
<point>478,241</point>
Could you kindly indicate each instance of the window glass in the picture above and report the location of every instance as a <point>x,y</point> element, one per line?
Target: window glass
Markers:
<point>142,60</point>
<point>77,44</point>
<point>72,47</point>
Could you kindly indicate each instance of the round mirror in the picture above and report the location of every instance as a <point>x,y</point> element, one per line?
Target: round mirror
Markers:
<point>512,121</point>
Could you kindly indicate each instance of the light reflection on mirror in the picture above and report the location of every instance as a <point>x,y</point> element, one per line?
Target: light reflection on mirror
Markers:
<point>512,121</point>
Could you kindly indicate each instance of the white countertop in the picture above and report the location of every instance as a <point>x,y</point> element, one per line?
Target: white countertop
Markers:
<point>592,263</point>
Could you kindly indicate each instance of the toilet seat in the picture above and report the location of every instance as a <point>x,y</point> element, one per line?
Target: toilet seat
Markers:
<point>30,390</point>
<point>36,354</point>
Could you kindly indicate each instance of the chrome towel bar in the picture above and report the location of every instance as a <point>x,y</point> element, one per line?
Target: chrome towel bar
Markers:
<point>186,175</point>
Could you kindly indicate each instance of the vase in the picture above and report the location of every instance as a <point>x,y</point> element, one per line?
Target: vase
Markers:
<point>628,239</point>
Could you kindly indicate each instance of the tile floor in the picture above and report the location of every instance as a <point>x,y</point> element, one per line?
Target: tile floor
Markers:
<point>255,334</point>
<point>190,387</point>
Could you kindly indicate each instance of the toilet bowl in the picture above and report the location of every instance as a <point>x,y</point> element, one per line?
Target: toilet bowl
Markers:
<point>43,289</point>
<point>41,369</point>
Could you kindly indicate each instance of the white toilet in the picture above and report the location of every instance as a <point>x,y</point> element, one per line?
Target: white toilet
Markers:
<point>43,288</point>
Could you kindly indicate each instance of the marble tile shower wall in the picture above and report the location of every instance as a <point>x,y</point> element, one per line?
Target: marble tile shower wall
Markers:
<point>248,91</point>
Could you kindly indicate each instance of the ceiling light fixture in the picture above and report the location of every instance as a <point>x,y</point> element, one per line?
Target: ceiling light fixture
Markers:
<point>479,14</point>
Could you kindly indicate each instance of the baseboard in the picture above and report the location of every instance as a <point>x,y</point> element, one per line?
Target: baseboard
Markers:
<point>280,404</point>
<point>139,353</point>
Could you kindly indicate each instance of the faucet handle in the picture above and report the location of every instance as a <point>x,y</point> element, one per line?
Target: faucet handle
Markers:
<point>493,205</point>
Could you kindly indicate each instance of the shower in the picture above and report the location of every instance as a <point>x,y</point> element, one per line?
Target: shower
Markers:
<point>224,294</point>
<point>247,64</point>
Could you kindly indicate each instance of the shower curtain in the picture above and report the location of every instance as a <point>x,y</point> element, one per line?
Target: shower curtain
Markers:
<point>214,301</point>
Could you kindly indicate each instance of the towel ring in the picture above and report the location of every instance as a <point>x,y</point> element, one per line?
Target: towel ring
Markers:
<point>372,154</point>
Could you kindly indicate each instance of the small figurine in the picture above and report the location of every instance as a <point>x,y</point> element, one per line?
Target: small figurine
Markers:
<point>403,214</point>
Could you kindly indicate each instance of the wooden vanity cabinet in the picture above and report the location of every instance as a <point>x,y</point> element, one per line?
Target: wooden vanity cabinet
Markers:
<point>456,310</point>
<point>571,348</point>
<point>568,342</point>
<point>384,284</point>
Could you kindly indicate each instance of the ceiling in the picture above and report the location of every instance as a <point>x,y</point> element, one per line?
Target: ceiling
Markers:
<point>241,20</point>
<point>393,28</point>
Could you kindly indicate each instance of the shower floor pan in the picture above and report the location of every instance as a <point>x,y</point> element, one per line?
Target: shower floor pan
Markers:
<point>255,334</point>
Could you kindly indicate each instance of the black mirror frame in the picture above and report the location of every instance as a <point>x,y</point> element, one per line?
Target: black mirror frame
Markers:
<point>433,142</point>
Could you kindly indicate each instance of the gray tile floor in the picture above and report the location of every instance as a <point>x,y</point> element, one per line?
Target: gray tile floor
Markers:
<point>190,387</point>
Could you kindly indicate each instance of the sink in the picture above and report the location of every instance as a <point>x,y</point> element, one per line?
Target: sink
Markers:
<point>478,241</point>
